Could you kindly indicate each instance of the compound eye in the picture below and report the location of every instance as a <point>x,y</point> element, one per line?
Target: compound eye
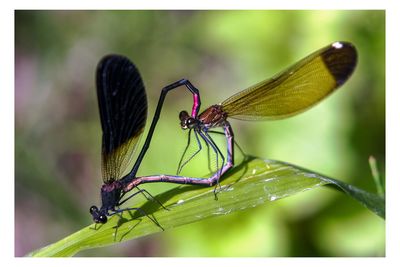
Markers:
<point>93,209</point>
<point>102,219</point>
<point>190,122</point>
<point>183,115</point>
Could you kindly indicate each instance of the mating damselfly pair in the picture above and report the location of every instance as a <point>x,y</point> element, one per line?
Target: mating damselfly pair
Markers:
<point>123,111</point>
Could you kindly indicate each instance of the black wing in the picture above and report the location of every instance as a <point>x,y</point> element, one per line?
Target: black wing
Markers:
<point>123,111</point>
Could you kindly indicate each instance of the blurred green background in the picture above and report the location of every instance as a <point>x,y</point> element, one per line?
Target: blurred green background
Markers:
<point>58,135</point>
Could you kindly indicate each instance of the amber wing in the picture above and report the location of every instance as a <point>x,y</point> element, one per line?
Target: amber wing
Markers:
<point>297,88</point>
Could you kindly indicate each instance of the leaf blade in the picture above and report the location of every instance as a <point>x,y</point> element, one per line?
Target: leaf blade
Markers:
<point>248,185</point>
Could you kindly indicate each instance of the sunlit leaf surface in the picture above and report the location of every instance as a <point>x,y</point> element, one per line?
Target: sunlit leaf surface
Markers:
<point>254,182</point>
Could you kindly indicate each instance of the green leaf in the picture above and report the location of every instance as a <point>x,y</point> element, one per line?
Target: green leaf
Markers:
<point>248,185</point>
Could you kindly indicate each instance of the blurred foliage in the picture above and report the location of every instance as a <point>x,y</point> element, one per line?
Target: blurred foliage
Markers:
<point>57,150</point>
